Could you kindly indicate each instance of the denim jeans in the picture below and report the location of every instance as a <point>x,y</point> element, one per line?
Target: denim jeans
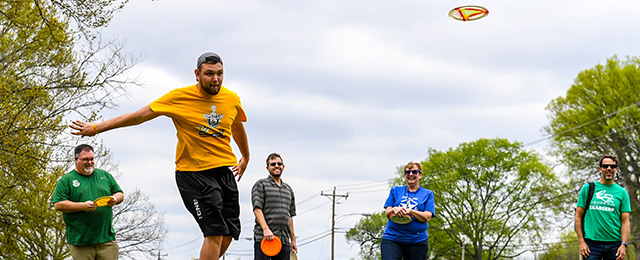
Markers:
<point>392,250</point>
<point>285,253</point>
<point>602,250</point>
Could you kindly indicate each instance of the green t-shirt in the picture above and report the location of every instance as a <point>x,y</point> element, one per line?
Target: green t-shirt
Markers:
<point>602,221</point>
<point>87,228</point>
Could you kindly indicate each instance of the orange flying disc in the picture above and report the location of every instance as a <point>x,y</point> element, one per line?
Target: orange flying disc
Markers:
<point>468,13</point>
<point>102,201</point>
<point>271,247</point>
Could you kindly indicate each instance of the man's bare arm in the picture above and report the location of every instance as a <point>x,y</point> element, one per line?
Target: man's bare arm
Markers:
<point>135,118</point>
<point>240,137</point>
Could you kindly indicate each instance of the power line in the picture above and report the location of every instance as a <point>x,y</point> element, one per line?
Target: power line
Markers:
<point>317,194</point>
<point>324,234</point>
<point>183,244</point>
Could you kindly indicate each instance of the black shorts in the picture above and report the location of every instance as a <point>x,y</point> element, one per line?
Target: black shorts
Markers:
<point>211,196</point>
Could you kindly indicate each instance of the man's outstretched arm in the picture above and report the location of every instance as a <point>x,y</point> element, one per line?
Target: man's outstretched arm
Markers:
<point>135,118</point>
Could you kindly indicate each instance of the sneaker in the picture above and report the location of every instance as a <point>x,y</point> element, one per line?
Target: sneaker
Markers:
<point>195,258</point>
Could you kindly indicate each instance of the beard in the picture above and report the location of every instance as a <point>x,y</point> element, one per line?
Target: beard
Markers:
<point>212,90</point>
<point>88,170</point>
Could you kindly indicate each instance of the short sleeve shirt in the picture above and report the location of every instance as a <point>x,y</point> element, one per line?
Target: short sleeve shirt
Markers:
<point>203,124</point>
<point>602,221</point>
<point>420,200</point>
<point>87,228</point>
<point>278,205</point>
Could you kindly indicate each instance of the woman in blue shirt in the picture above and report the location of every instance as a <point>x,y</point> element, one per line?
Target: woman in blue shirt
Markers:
<point>408,241</point>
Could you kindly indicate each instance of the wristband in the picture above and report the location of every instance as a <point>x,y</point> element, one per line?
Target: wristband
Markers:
<point>625,244</point>
<point>115,199</point>
<point>95,128</point>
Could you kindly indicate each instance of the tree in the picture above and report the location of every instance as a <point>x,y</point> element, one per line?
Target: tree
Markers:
<point>367,233</point>
<point>140,229</point>
<point>441,246</point>
<point>52,63</point>
<point>567,249</point>
<point>600,115</point>
<point>492,196</point>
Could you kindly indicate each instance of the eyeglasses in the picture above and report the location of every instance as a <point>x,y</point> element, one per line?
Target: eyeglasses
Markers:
<point>275,163</point>
<point>415,172</point>
<point>605,166</point>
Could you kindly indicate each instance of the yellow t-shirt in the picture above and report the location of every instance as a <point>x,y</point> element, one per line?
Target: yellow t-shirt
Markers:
<point>203,126</point>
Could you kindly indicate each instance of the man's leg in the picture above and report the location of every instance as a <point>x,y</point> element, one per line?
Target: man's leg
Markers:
<point>611,250</point>
<point>226,241</point>
<point>284,254</point>
<point>257,252</point>
<point>108,251</point>
<point>83,252</point>
<point>596,248</point>
<point>211,248</point>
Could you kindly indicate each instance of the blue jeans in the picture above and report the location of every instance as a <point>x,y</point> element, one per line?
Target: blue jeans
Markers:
<point>602,250</point>
<point>285,253</point>
<point>392,250</point>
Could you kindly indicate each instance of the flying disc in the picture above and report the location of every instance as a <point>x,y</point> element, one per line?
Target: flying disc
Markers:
<point>400,220</point>
<point>468,13</point>
<point>293,255</point>
<point>271,247</point>
<point>102,201</point>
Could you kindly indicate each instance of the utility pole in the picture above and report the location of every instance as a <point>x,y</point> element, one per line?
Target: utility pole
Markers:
<point>333,217</point>
<point>160,255</point>
<point>464,246</point>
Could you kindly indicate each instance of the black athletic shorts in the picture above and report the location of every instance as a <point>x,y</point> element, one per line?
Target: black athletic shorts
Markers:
<point>211,196</point>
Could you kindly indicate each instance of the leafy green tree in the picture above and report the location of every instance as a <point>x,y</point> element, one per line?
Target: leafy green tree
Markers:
<point>52,63</point>
<point>367,233</point>
<point>441,246</point>
<point>492,196</point>
<point>567,249</point>
<point>600,115</point>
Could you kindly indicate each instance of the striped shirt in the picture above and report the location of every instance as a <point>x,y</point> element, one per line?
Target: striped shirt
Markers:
<point>278,204</point>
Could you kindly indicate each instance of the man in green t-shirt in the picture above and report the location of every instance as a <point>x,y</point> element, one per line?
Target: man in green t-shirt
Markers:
<point>606,222</point>
<point>89,224</point>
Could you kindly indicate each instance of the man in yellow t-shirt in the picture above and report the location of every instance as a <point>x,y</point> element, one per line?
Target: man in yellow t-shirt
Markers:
<point>206,116</point>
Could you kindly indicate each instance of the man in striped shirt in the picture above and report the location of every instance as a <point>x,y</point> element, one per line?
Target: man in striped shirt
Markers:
<point>274,206</point>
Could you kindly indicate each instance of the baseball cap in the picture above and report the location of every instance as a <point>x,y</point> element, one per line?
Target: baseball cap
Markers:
<point>208,57</point>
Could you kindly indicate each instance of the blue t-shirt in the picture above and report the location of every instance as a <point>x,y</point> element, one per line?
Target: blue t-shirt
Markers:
<point>414,231</point>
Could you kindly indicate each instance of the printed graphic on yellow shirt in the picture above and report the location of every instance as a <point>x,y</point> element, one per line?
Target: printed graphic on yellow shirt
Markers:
<point>213,120</point>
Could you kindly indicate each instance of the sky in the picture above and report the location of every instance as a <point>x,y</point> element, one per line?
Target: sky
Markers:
<point>348,91</point>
